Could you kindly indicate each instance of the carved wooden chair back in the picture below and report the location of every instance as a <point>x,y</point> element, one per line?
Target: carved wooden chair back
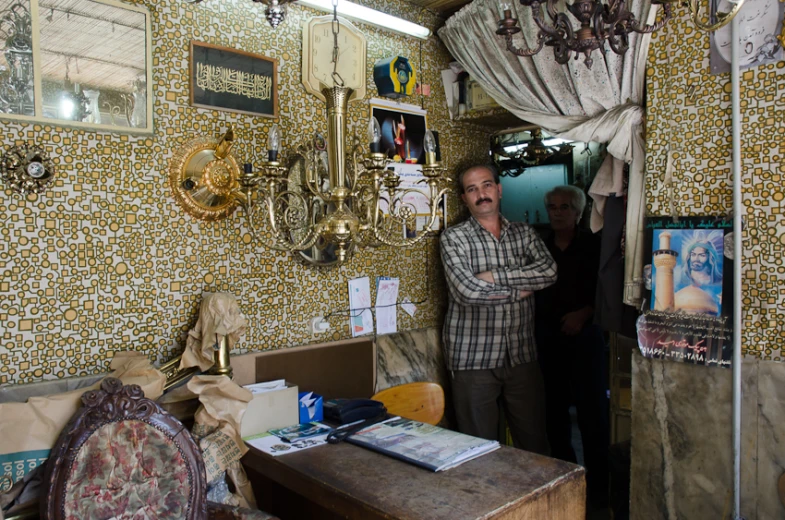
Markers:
<point>422,402</point>
<point>122,456</point>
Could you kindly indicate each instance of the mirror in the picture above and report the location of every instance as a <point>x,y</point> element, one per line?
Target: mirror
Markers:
<point>531,162</point>
<point>320,254</point>
<point>83,63</point>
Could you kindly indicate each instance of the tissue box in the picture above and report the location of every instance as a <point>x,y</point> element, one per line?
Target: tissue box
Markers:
<point>273,409</point>
<point>315,412</point>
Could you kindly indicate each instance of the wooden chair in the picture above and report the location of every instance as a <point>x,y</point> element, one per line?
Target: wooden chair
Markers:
<point>422,402</point>
<point>121,456</point>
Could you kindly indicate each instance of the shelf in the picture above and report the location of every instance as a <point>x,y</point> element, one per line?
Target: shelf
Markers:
<point>496,118</point>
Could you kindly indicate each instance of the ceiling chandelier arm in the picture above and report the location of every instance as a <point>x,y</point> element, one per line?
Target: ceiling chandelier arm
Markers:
<point>667,14</point>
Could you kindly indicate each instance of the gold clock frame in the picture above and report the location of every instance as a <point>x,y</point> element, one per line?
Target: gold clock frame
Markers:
<point>307,57</point>
<point>202,182</point>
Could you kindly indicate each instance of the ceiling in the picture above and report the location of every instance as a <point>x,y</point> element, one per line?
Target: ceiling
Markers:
<point>445,8</point>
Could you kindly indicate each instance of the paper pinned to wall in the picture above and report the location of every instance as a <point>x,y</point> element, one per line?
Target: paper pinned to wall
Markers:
<point>386,305</point>
<point>408,306</point>
<point>361,318</point>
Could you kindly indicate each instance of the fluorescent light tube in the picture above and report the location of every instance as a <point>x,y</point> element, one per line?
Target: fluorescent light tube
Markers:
<point>371,16</point>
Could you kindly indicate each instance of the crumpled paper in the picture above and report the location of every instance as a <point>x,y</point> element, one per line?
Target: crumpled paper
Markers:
<point>217,431</point>
<point>219,317</point>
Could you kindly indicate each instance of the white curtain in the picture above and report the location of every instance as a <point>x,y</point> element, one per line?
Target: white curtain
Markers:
<point>571,101</point>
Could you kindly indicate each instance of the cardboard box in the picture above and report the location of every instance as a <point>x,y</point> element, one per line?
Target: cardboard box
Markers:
<point>272,409</point>
<point>315,412</point>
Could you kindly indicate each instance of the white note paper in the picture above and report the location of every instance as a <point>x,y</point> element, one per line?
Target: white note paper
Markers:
<point>386,308</point>
<point>361,318</point>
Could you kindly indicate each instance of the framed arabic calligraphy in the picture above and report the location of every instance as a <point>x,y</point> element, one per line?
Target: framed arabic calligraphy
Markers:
<point>233,81</point>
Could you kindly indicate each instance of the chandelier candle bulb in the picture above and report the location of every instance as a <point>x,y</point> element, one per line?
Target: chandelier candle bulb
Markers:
<point>273,144</point>
<point>429,143</point>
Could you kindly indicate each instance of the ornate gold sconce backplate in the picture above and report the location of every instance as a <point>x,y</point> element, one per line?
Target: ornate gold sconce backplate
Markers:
<point>202,182</point>
<point>27,169</point>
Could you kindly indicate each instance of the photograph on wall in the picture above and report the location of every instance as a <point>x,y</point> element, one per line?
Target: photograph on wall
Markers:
<point>689,291</point>
<point>403,130</point>
<point>760,23</point>
<point>233,81</point>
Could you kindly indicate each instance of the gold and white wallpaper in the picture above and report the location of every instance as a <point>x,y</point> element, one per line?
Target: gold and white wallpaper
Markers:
<point>106,261</point>
<point>689,119</point>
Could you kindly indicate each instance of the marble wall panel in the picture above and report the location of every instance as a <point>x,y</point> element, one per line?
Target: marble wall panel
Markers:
<point>682,458</point>
<point>410,356</point>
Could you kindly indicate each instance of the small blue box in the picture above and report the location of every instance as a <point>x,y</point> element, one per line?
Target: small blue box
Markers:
<point>312,413</point>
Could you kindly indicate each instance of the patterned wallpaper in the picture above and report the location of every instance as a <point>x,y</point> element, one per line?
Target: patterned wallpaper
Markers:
<point>689,118</point>
<point>106,261</point>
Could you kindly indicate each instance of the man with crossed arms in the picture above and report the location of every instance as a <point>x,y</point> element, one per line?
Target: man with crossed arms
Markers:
<point>492,267</point>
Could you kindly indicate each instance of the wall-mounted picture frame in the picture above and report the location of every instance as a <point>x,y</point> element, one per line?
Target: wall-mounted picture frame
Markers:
<point>403,130</point>
<point>231,80</point>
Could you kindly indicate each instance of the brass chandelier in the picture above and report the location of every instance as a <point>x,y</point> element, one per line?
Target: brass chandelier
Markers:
<point>348,204</point>
<point>327,198</point>
<point>600,22</point>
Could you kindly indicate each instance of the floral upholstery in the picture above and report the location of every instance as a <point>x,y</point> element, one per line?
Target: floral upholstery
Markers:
<point>128,470</point>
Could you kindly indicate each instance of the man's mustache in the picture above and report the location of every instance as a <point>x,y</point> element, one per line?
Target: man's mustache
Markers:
<point>480,201</point>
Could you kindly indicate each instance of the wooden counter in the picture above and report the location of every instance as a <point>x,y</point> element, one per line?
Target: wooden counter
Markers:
<point>346,481</point>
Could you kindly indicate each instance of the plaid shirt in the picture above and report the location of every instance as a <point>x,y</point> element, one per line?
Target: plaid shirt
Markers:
<point>488,325</point>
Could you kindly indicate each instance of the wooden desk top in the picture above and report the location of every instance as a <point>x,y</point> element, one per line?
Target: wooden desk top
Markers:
<point>358,483</point>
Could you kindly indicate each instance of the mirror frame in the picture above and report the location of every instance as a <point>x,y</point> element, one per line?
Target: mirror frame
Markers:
<point>38,85</point>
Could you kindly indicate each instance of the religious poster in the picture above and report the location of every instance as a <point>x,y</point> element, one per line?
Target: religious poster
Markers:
<point>760,23</point>
<point>689,290</point>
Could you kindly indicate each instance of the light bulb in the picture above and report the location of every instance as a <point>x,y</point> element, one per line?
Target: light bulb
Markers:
<point>374,135</point>
<point>273,143</point>
<point>429,143</point>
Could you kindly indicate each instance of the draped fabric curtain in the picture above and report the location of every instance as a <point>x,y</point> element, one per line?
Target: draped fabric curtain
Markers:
<point>601,104</point>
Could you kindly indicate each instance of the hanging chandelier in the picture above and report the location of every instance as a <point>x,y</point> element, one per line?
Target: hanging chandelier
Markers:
<point>599,22</point>
<point>326,197</point>
<point>275,10</point>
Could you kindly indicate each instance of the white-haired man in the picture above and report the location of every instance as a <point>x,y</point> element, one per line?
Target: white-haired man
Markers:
<point>571,347</point>
<point>492,266</point>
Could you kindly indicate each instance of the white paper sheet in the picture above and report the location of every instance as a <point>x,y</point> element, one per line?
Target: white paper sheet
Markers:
<point>408,306</point>
<point>360,321</point>
<point>386,308</point>
<point>267,386</point>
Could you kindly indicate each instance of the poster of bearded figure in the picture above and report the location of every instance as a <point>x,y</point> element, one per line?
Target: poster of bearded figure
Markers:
<point>687,270</point>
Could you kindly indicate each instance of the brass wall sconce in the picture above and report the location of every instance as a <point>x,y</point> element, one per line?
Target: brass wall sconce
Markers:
<point>27,169</point>
<point>311,202</point>
<point>600,22</point>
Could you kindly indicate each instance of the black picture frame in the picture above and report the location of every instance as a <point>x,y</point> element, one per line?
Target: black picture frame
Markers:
<point>231,80</point>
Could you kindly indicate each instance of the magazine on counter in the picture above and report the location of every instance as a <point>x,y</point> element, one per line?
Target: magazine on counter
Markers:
<point>272,445</point>
<point>431,447</point>
<point>301,431</point>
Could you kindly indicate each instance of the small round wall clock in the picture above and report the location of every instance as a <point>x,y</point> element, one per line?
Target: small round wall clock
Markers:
<point>318,42</point>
